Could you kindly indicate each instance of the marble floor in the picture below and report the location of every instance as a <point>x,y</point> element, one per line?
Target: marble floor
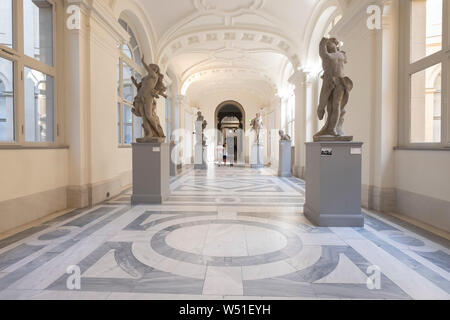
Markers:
<point>228,233</point>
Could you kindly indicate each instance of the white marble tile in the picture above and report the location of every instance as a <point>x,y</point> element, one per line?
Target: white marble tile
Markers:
<point>346,272</point>
<point>306,258</point>
<point>266,271</point>
<point>261,240</point>
<point>189,239</point>
<point>225,240</point>
<point>18,294</point>
<point>322,239</point>
<point>223,281</point>
<point>414,284</point>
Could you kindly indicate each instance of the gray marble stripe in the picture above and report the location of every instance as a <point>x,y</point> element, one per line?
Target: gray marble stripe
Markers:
<point>292,185</point>
<point>414,229</point>
<point>251,205</point>
<point>429,274</point>
<point>439,258</point>
<point>22,235</point>
<point>16,275</point>
<point>137,225</point>
<point>301,283</point>
<point>145,279</point>
<point>16,254</point>
<point>89,217</point>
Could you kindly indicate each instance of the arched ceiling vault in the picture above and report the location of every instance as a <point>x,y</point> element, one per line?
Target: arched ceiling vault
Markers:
<point>221,44</point>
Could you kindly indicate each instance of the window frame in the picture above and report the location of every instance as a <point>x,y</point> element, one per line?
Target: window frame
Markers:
<point>124,59</point>
<point>20,60</point>
<point>407,69</point>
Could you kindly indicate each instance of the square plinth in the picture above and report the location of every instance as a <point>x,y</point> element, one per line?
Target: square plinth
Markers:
<point>151,172</point>
<point>333,184</point>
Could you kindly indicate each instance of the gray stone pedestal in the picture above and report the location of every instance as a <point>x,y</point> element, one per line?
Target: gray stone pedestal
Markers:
<point>173,160</point>
<point>257,157</point>
<point>150,173</point>
<point>333,184</point>
<point>200,156</point>
<point>285,158</point>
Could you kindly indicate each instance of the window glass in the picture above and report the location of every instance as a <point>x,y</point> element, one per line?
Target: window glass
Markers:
<point>38,30</point>
<point>6,101</point>
<point>425,104</point>
<point>127,125</point>
<point>127,84</point>
<point>39,115</point>
<point>118,124</point>
<point>138,131</point>
<point>6,23</point>
<point>426,28</point>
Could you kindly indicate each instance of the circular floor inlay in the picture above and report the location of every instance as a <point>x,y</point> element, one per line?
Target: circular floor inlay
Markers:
<point>226,240</point>
<point>226,243</point>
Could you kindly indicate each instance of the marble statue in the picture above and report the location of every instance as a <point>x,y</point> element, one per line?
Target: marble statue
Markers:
<point>257,125</point>
<point>284,136</point>
<point>335,91</point>
<point>201,118</point>
<point>148,90</point>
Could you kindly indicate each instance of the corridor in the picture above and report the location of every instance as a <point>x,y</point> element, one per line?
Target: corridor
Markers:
<point>225,233</point>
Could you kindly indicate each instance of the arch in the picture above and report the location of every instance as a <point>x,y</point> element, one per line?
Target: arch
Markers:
<point>325,12</point>
<point>234,103</point>
<point>133,13</point>
<point>240,142</point>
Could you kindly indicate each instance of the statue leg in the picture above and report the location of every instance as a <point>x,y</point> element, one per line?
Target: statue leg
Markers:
<point>325,93</point>
<point>344,102</point>
<point>336,107</point>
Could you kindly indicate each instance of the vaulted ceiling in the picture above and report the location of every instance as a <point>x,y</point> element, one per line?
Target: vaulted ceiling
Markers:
<point>249,45</point>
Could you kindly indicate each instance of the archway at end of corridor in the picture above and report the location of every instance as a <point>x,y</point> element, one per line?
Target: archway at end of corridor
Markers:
<point>230,123</point>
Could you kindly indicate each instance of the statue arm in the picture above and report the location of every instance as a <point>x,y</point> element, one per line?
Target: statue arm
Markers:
<point>323,51</point>
<point>135,82</point>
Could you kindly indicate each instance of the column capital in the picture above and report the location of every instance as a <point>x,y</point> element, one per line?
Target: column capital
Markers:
<point>299,78</point>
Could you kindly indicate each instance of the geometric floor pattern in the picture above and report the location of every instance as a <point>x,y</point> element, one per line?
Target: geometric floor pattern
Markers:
<point>225,233</point>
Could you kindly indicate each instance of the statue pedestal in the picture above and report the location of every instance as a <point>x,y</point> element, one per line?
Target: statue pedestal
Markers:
<point>200,155</point>
<point>257,158</point>
<point>150,173</point>
<point>285,157</point>
<point>173,160</point>
<point>333,184</point>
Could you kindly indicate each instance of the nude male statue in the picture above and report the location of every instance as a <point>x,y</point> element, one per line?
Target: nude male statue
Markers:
<point>335,89</point>
<point>257,125</point>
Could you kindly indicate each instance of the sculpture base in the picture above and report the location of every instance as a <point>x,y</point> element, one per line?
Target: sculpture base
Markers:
<point>200,154</point>
<point>150,173</point>
<point>285,157</point>
<point>333,138</point>
<point>333,184</point>
<point>151,140</point>
<point>257,159</point>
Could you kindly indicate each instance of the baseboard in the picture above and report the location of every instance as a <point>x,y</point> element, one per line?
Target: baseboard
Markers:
<point>431,211</point>
<point>92,194</point>
<point>379,199</point>
<point>20,211</point>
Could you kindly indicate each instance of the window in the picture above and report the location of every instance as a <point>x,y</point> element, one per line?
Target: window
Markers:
<point>129,65</point>
<point>6,101</point>
<point>425,60</point>
<point>332,24</point>
<point>6,24</point>
<point>27,51</point>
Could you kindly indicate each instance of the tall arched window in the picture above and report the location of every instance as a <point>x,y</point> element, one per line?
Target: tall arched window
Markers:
<point>129,64</point>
